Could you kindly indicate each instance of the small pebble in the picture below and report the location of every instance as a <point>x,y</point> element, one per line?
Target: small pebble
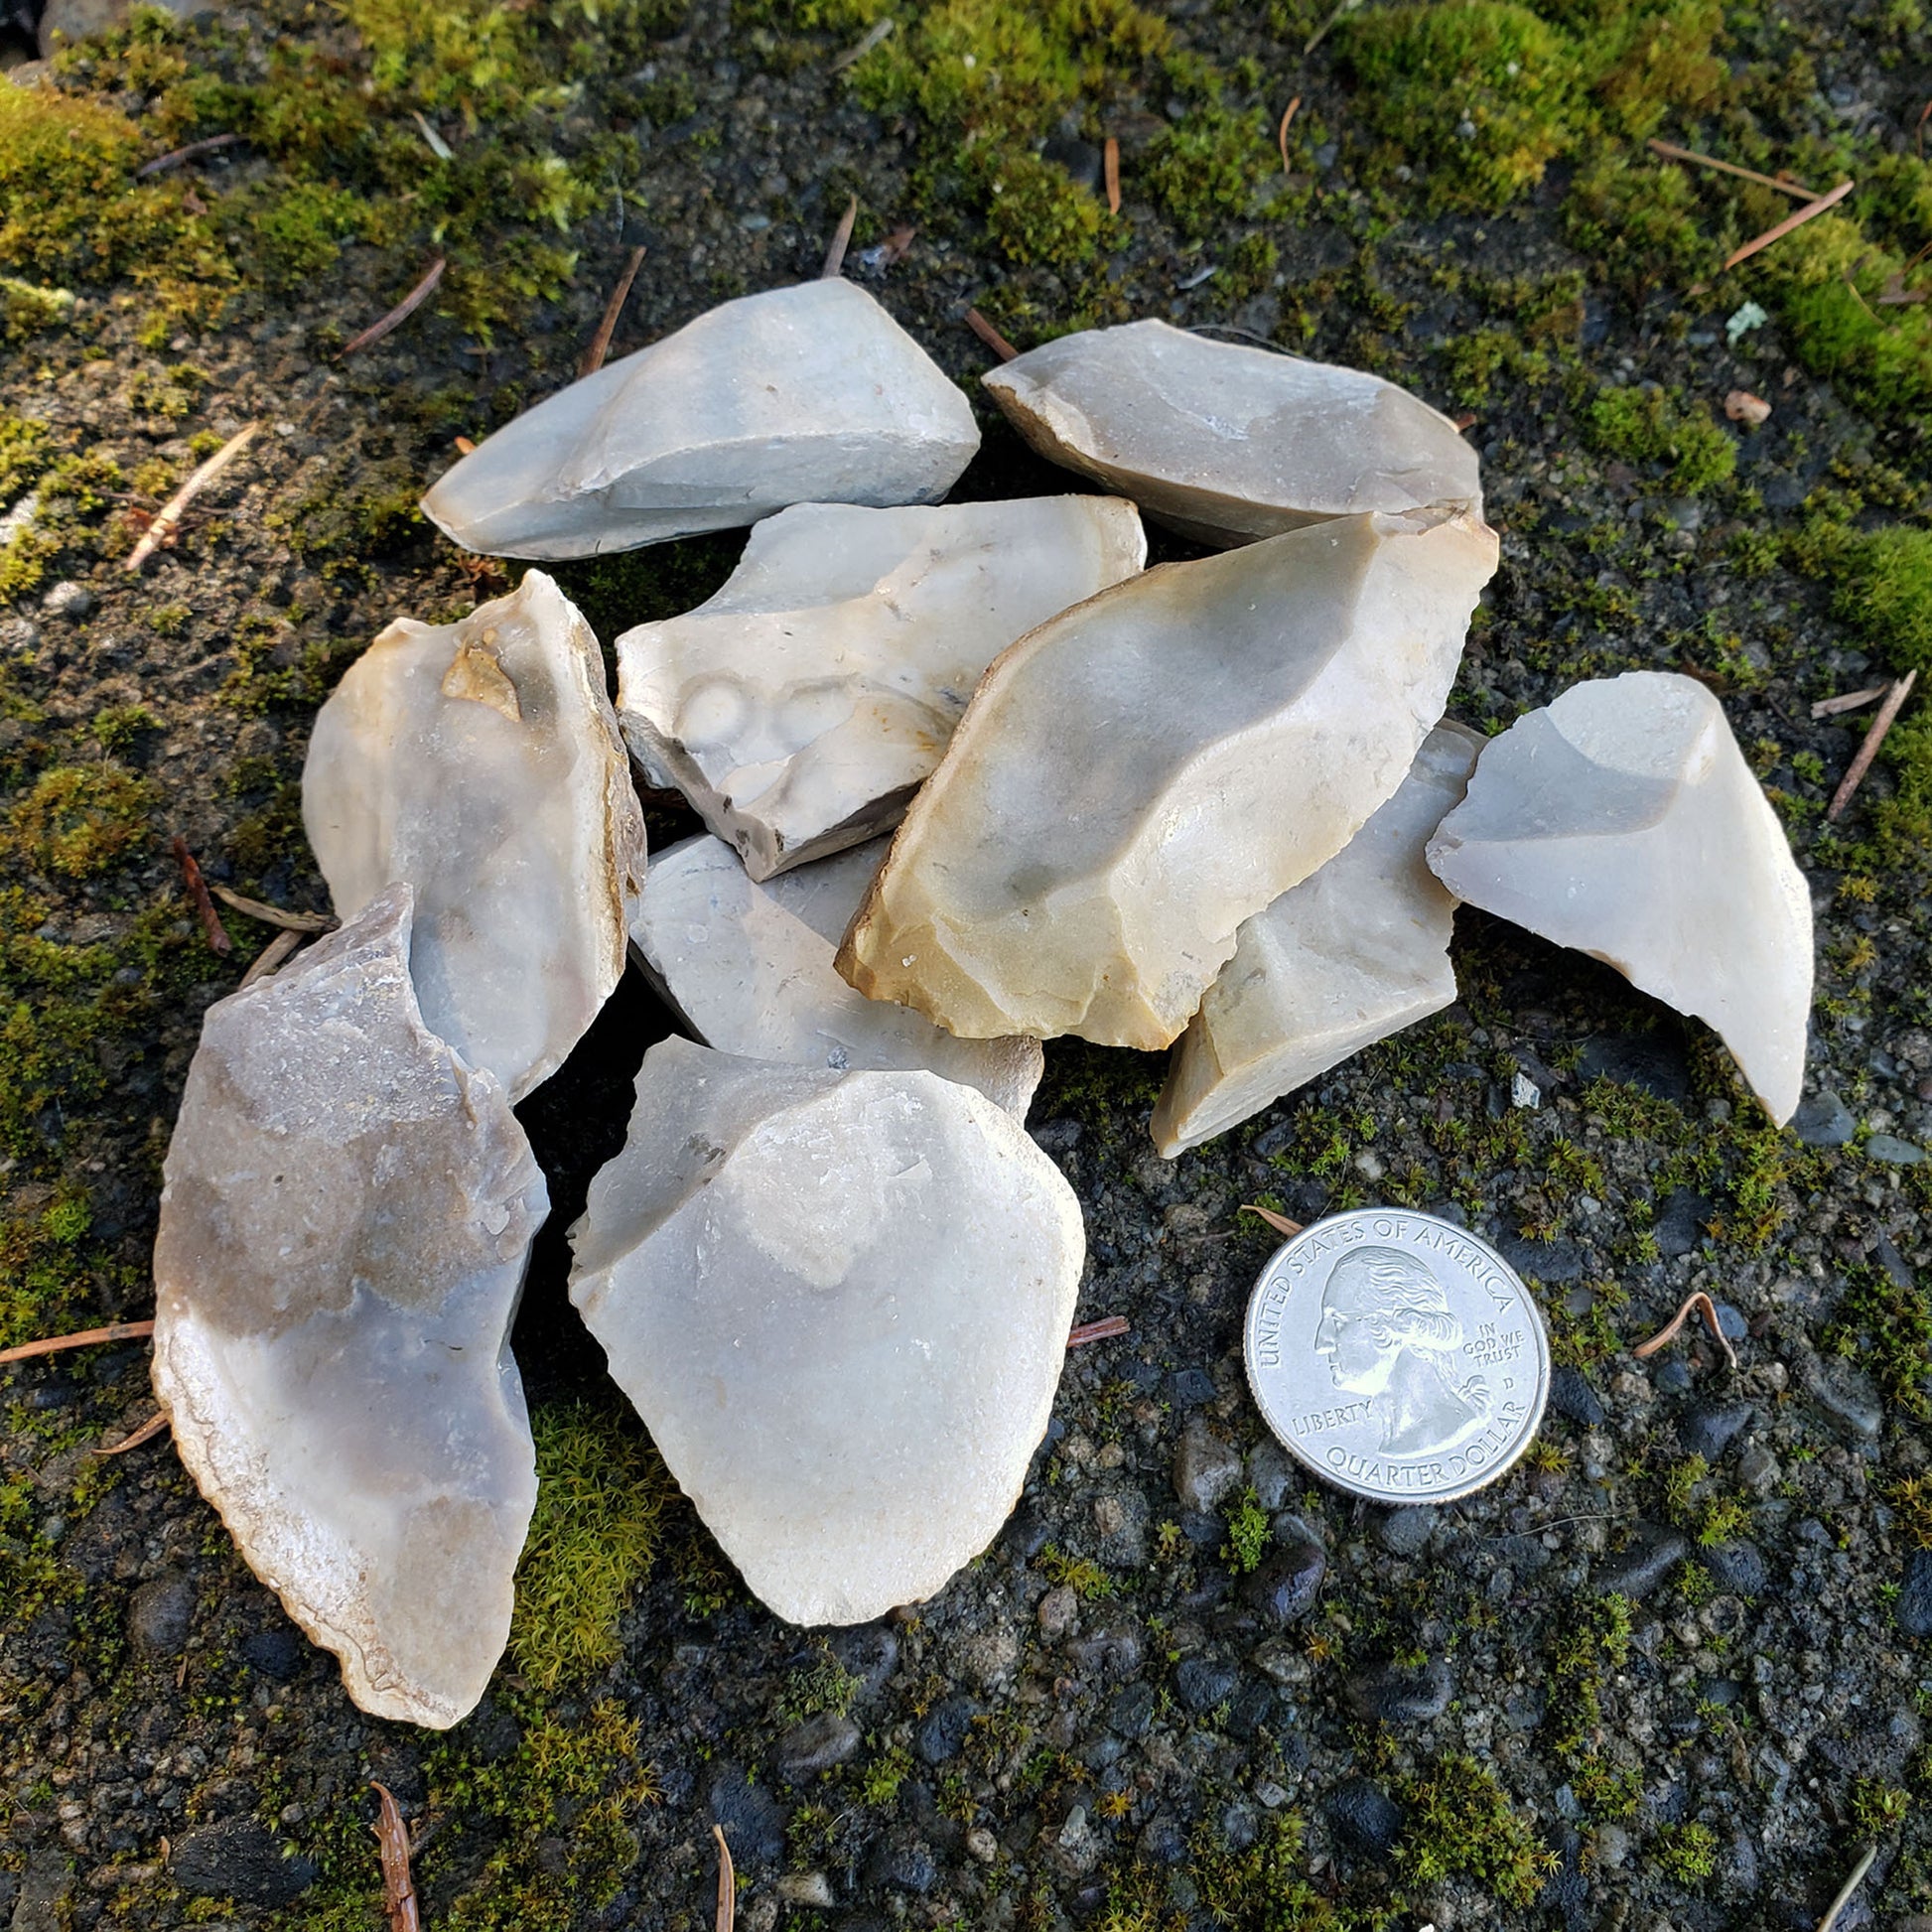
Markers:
<point>1823,1120</point>
<point>68,600</point>
<point>1206,1469</point>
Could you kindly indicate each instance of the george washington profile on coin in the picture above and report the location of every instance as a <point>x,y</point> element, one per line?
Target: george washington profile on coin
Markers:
<point>1387,1330</point>
<point>1397,1354</point>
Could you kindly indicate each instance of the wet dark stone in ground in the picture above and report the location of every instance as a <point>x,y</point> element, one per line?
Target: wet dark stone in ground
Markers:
<point>1681,1220</point>
<point>1396,1696</point>
<point>1403,1531</point>
<point>1654,1062</point>
<point>1284,1588</point>
<point>753,1820</point>
<point>1204,1682</point>
<point>944,1730</point>
<point>821,1742</point>
<point>1823,1120</point>
<point>1571,1394</point>
<point>277,1654</point>
<point>162,1614</point>
<point>1914,1607</point>
<point>1737,1567</point>
<point>1706,1428</point>
<point>239,1858</point>
<point>1636,1570</point>
<point>1365,1818</point>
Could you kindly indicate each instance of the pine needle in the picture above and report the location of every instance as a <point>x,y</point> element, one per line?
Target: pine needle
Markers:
<point>398,1888</point>
<point>400,314</point>
<point>167,517</point>
<point>841,241</point>
<point>726,1882</point>
<point>1281,133</point>
<point>1848,701</point>
<point>1851,1885</point>
<point>1703,1305</point>
<point>1104,1329</point>
<point>1869,750</point>
<point>1670,152</point>
<point>148,1430</point>
<point>271,956</point>
<point>1110,166</point>
<point>990,336</point>
<point>1789,222</point>
<point>1279,1222</point>
<point>86,1339</point>
<point>259,908</point>
<point>213,928</point>
<point>601,342</point>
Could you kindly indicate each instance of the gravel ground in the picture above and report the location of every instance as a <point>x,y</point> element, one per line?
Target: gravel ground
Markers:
<point>1670,1673</point>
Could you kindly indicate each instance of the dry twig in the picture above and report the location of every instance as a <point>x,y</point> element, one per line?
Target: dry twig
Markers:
<point>1281,133</point>
<point>217,933</point>
<point>990,336</point>
<point>167,517</point>
<point>841,241</point>
<point>1851,1885</point>
<point>1279,1222</point>
<point>86,1339</point>
<point>398,1888</point>
<point>1790,221</point>
<point>148,1430</point>
<point>1869,750</point>
<point>726,1882</point>
<point>259,908</point>
<point>1704,1306</point>
<point>1110,171</point>
<point>1848,701</point>
<point>271,956</point>
<point>400,314</point>
<point>874,35</point>
<point>1104,1329</point>
<point>601,342</point>
<point>162,163</point>
<point>1670,152</point>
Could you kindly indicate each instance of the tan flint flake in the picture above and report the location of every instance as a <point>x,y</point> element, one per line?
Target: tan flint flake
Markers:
<point>1228,443</point>
<point>1143,772</point>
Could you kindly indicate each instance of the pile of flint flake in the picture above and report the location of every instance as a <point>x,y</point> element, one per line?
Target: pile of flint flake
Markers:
<point>1212,805</point>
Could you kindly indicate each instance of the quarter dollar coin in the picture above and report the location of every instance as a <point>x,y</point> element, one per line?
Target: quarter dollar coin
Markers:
<point>1397,1355</point>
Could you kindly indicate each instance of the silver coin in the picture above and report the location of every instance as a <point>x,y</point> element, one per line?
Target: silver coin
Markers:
<point>1397,1355</point>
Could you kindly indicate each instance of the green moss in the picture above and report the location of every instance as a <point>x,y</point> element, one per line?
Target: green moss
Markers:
<point>1266,1888</point>
<point>1205,170</point>
<point>601,1491</point>
<point>1080,1574</point>
<point>1592,1638</point>
<point>1482,94</point>
<point>299,231</point>
<point>988,79</point>
<point>1464,1826</point>
<point>1248,1533</point>
<point>822,1685</point>
<point>23,448</point>
<point>1829,281</point>
<point>1479,96</point>
<point>1879,1809</point>
<point>1886,1328</point>
<point>1035,213</point>
<point>26,309</point>
<point>1678,443</point>
<point>556,1813</point>
<point>1643,225</point>
<point>1688,1852</point>
<point>47,1267</point>
<point>79,821</point>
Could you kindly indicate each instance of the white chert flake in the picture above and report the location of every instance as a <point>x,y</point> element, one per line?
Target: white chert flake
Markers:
<point>1623,821</point>
<point>1139,775</point>
<point>1352,954</point>
<point>802,705</point>
<point>812,394</point>
<point>1229,444</point>
<point>749,966</point>
<point>482,762</point>
<point>839,1302</point>
<point>346,1220</point>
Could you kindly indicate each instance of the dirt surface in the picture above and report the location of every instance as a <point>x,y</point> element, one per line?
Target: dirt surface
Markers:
<point>1671,1672</point>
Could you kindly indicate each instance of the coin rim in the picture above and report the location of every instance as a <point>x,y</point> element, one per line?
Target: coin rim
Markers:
<point>1544,1376</point>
